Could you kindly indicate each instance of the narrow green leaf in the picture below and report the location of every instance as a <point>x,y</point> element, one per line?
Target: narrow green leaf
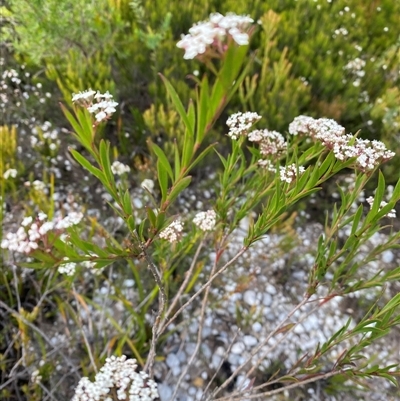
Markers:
<point>160,220</point>
<point>178,188</point>
<point>177,161</point>
<point>357,218</point>
<point>201,156</point>
<point>178,104</point>
<point>87,165</point>
<point>396,192</point>
<point>105,161</point>
<point>377,199</point>
<point>162,158</point>
<point>202,108</point>
<point>127,203</point>
<point>76,126</point>
<point>162,179</point>
<point>152,217</point>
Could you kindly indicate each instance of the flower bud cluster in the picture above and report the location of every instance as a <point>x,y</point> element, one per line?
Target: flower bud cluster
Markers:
<point>271,143</point>
<point>214,33</point>
<point>368,154</point>
<point>173,232</point>
<point>289,173</point>
<point>205,220</point>
<point>240,123</point>
<point>99,104</point>
<point>33,232</point>
<point>119,375</point>
<point>67,268</point>
<point>391,214</point>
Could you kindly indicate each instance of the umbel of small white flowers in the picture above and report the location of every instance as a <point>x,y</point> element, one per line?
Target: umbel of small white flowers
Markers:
<point>367,154</point>
<point>173,232</point>
<point>118,374</point>
<point>99,104</point>
<point>390,214</point>
<point>211,36</point>
<point>32,233</point>
<point>205,220</point>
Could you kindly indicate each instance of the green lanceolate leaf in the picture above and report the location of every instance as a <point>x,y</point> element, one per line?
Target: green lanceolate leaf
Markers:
<point>152,217</point>
<point>127,204</point>
<point>87,165</point>
<point>188,142</point>
<point>178,188</point>
<point>162,159</point>
<point>178,105</point>
<point>162,179</point>
<point>377,199</point>
<point>177,160</point>
<point>202,108</point>
<point>105,161</point>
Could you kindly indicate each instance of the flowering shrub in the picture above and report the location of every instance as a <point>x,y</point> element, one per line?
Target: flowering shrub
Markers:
<point>119,374</point>
<point>172,270</point>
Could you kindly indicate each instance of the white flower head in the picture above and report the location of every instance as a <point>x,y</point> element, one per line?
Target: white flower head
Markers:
<point>289,173</point>
<point>240,123</point>
<point>101,105</point>
<point>205,220</point>
<point>12,172</point>
<point>173,232</point>
<point>214,33</point>
<point>148,184</point>
<point>119,168</point>
<point>120,374</point>
<point>271,142</point>
<point>391,214</point>
<point>67,268</point>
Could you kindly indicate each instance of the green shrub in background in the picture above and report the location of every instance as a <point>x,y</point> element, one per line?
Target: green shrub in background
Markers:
<point>69,249</point>
<point>332,58</point>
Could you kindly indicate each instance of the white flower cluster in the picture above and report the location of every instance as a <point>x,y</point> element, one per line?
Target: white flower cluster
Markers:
<point>289,173</point>
<point>37,185</point>
<point>205,220</point>
<point>391,214</point>
<point>240,123</point>
<point>368,154</point>
<point>356,66</point>
<point>173,232</point>
<point>101,105</point>
<point>118,374</point>
<point>32,232</point>
<point>270,142</point>
<point>119,168</point>
<point>10,173</point>
<point>67,268</point>
<point>147,184</point>
<point>213,34</point>
<point>267,165</point>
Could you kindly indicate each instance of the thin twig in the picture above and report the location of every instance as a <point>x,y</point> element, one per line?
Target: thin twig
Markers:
<point>223,359</point>
<point>273,347</point>
<point>181,288</point>
<point>89,350</point>
<point>254,352</point>
<point>199,335</point>
<point>204,286</point>
<point>299,383</point>
<point>162,298</point>
<point>41,333</point>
